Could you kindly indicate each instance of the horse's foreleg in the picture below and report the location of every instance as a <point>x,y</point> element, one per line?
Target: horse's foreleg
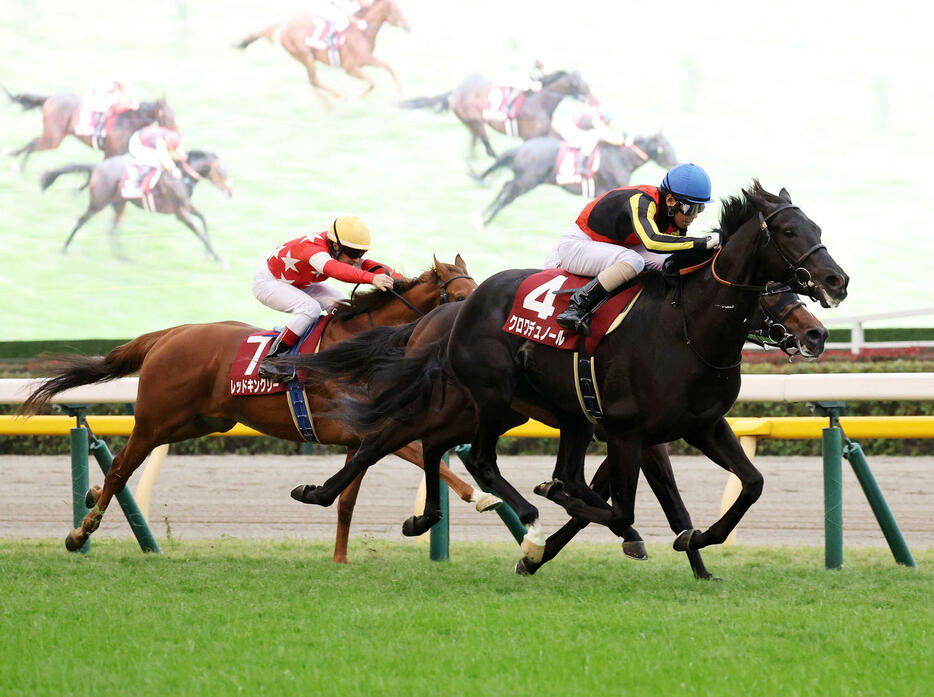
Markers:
<point>355,71</point>
<point>184,215</point>
<point>85,217</point>
<point>197,214</point>
<point>656,466</point>
<point>345,506</point>
<point>720,444</point>
<point>376,62</point>
<point>479,129</point>
<point>119,207</point>
<point>308,60</point>
<point>484,501</point>
<point>420,524</point>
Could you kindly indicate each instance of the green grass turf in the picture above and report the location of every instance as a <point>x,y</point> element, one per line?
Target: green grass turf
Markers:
<point>275,617</point>
<point>742,90</point>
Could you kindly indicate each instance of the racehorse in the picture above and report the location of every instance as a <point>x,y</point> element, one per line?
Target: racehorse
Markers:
<point>662,378</point>
<point>170,195</point>
<point>533,163</point>
<point>60,114</point>
<point>355,52</point>
<point>184,374</point>
<point>385,356</point>
<point>469,99</point>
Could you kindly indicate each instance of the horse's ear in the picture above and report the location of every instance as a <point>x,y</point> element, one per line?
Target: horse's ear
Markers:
<point>435,263</point>
<point>784,195</point>
<point>459,263</point>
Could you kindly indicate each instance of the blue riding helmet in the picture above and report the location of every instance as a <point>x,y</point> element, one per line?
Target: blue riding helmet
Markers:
<point>689,183</point>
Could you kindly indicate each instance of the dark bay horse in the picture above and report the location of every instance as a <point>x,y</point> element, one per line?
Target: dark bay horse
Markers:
<point>170,195</point>
<point>469,99</point>
<point>533,163</point>
<point>60,114</point>
<point>666,377</point>
<point>355,53</point>
<point>184,373</point>
<point>452,420</point>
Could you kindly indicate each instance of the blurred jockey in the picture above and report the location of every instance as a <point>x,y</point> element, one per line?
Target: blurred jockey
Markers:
<point>521,80</point>
<point>157,147</point>
<point>585,129</point>
<point>626,230</point>
<point>337,16</point>
<point>292,279</point>
<point>98,103</point>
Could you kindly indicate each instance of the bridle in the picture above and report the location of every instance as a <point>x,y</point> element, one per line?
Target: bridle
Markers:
<point>766,337</point>
<point>444,298</point>
<point>797,273</point>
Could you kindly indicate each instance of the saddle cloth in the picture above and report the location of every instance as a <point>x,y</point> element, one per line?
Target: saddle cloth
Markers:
<point>537,304</point>
<point>244,380</point>
<point>324,35</point>
<point>503,103</point>
<point>138,179</point>
<point>568,165</point>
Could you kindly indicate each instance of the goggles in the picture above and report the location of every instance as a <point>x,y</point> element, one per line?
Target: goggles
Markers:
<point>690,209</point>
<point>351,252</point>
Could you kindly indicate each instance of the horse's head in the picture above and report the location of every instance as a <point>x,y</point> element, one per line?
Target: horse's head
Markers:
<point>658,149</point>
<point>570,83</point>
<point>209,166</point>
<point>455,283</point>
<point>791,248</point>
<point>387,11</point>
<point>785,322</point>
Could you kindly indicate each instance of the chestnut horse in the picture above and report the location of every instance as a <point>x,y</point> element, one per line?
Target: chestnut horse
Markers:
<point>663,378</point>
<point>60,114</point>
<point>469,99</point>
<point>805,335</point>
<point>184,383</point>
<point>355,52</point>
<point>170,195</point>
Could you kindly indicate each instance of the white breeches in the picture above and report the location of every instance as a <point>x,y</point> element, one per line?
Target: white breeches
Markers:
<point>148,156</point>
<point>304,304</point>
<point>579,254</point>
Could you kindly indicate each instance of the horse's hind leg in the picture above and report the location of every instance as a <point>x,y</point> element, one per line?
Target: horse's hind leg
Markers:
<point>376,62</point>
<point>355,71</point>
<point>119,208</point>
<point>510,192</point>
<point>184,215</point>
<point>308,60</point>
<point>87,215</point>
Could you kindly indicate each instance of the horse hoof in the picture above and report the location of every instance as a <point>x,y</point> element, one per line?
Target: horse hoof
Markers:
<point>91,496</point>
<point>684,539</point>
<point>546,489</point>
<point>417,525</point>
<point>635,550</point>
<point>488,502</point>
<point>71,544</point>
<point>524,567</point>
<point>305,493</point>
<point>534,551</point>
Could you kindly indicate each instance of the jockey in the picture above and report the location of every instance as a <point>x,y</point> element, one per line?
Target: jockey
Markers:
<point>98,103</point>
<point>157,147</point>
<point>292,279</point>
<point>626,230</point>
<point>585,130</point>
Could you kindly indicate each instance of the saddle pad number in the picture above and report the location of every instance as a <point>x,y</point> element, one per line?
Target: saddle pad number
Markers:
<point>261,343</point>
<point>541,299</point>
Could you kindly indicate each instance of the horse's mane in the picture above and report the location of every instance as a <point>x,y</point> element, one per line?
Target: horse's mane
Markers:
<point>551,77</point>
<point>200,155</point>
<point>736,210</point>
<point>374,298</point>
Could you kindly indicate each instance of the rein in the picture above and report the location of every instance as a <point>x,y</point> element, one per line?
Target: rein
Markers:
<point>399,296</point>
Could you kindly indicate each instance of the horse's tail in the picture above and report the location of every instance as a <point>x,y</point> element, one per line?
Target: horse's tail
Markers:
<point>86,370</point>
<point>407,383</point>
<point>49,177</point>
<point>266,33</point>
<point>504,160</point>
<point>439,103</point>
<point>27,101</point>
<point>352,361</point>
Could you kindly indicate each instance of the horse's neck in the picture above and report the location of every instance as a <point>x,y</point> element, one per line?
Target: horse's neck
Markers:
<point>622,162</point>
<point>548,100</point>
<point>379,11</point>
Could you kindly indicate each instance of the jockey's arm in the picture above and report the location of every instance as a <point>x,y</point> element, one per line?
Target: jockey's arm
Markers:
<point>341,271</point>
<point>643,209</point>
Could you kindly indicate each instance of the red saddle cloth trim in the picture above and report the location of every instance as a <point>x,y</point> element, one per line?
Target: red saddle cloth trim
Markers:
<point>244,382</point>
<point>536,297</point>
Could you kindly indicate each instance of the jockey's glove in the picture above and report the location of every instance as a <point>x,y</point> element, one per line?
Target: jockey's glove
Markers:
<point>713,240</point>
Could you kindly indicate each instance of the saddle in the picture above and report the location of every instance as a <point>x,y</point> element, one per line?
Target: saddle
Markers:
<point>323,35</point>
<point>502,105</point>
<point>139,180</point>
<point>571,168</point>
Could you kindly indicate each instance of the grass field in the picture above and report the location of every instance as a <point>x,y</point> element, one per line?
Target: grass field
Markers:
<point>742,90</point>
<point>234,617</point>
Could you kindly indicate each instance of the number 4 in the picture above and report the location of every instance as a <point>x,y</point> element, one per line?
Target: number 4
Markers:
<point>541,300</point>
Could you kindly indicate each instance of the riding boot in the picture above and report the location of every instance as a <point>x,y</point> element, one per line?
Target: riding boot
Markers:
<point>583,304</point>
<point>280,347</point>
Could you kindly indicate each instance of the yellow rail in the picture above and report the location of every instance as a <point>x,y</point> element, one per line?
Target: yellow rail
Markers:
<point>789,427</point>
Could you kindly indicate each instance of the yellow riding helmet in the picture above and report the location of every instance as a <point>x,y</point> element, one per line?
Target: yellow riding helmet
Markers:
<point>350,231</point>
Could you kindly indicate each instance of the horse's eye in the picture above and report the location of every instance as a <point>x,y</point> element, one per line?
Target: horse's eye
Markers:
<point>787,232</point>
<point>461,298</point>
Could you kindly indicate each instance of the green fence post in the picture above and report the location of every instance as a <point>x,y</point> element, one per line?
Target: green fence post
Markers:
<point>439,537</point>
<point>79,479</point>
<point>833,484</point>
<point>854,455</point>
<point>133,515</point>
<point>506,513</point>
